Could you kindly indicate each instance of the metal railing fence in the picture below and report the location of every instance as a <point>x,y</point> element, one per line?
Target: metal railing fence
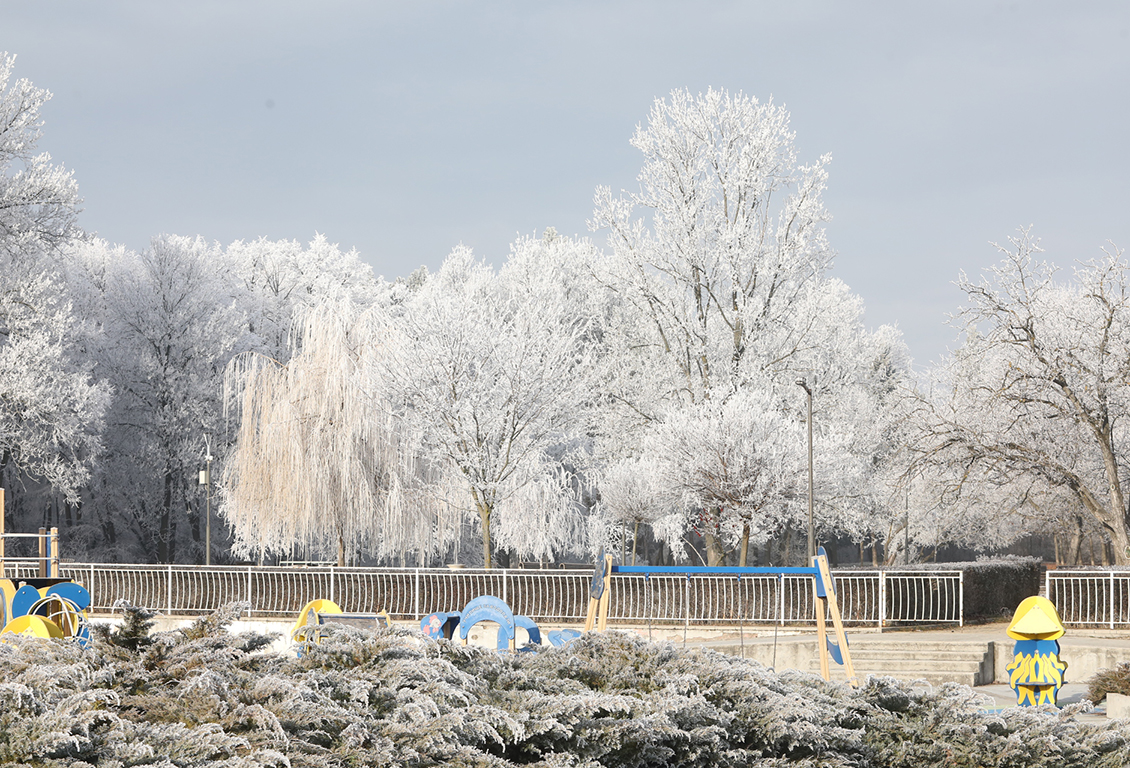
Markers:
<point>1090,597</point>
<point>866,597</point>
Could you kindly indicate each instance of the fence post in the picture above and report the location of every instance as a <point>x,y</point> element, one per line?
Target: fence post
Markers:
<point>250,607</point>
<point>416,596</point>
<point>882,598</point>
<point>1048,584</point>
<point>169,573</point>
<point>42,553</point>
<point>961,598</point>
<point>504,597</point>
<point>332,598</point>
<point>687,610</point>
<point>1112,599</point>
<point>90,584</point>
<point>53,552</point>
<point>781,599</point>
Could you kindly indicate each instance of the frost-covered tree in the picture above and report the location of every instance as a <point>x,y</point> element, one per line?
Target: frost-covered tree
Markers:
<point>51,409</point>
<point>38,199</point>
<point>633,491</point>
<point>1039,388</point>
<point>281,276</point>
<point>737,461</point>
<point>722,288</point>
<point>160,327</point>
<point>321,459</point>
<point>494,371</point>
<point>732,238</point>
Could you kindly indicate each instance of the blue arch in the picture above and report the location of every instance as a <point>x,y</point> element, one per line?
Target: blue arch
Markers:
<point>488,608</point>
<point>526,623</point>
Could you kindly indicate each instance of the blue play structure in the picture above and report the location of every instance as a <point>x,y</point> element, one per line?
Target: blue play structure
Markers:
<point>457,624</point>
<point>825,600</point>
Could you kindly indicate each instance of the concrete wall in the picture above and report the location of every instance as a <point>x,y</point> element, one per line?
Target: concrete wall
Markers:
<point>1084,656</point>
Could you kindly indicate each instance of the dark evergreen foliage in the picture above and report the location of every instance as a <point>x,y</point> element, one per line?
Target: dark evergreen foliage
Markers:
<point>1114,680</point>
<point>203,696</point>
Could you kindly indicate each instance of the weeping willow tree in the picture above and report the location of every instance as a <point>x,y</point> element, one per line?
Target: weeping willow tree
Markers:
<point>321,459</point>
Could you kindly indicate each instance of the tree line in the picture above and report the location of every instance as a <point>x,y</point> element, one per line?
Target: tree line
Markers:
<point>638,384</point>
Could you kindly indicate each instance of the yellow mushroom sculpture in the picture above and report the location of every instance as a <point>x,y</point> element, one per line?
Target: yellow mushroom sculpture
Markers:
<point>1036,671</point>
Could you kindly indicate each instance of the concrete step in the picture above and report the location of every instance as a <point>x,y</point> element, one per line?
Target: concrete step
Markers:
<point>895,667</point>
<point>894,646</point>
<point>881,654</point>
<point>933,678</point>
<point>935,662</point>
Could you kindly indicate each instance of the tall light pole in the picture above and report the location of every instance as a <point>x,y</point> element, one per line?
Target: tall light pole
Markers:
<point>206,481</point>
<point>811,536</point>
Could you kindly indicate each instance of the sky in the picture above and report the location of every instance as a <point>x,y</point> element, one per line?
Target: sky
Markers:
<point>403,129</point>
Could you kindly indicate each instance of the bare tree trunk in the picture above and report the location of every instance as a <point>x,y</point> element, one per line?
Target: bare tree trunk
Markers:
<point>715,553</point>
<point>1075,544</point>
<point>166,537</point>
<point>715,549</point>
<point>484,517</point>
<point>635,541</point>
<point>745,545</point>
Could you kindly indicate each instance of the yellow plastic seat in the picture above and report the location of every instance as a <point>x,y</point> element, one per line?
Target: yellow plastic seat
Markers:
<point>36,626</point>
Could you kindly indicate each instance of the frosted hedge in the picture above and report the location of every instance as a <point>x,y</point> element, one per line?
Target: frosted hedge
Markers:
<point>201,696</point>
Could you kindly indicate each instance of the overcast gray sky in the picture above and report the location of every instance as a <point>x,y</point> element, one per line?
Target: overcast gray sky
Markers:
<point>402,129</point>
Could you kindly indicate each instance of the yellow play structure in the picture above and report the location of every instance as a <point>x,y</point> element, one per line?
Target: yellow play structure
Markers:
<point>1036,671</point>
<point>46,605</point>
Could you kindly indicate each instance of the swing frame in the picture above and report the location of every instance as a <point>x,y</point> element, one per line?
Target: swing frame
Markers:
<point>824,594</point>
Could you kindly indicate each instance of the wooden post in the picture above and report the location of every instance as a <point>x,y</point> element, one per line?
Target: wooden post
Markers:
<point>837,623</point>
<point>821,630</point>
<point>590,617</point>
<point>602,621</point>
<point>42,553</point>
<point>597,617</point>
<point>53,549</point>
<point>1,533</point>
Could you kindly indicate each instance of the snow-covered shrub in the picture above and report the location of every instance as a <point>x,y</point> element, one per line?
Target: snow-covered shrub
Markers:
<point>202,696</point>
<point>1115,680</point>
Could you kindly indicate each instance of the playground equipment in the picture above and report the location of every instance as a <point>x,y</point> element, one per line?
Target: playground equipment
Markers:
<point>46,606</point>
<point>458,624</point>
<point>317,613</point>
<point>49,607</point>
<point>600,593</point>
<point>440,624</point>
<point>48,559</point>
<point>1036,672</point>
<point>824,593</point>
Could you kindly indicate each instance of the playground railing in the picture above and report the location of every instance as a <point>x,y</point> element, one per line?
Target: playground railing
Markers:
<point>1091,597</point>
<point>866,597</point>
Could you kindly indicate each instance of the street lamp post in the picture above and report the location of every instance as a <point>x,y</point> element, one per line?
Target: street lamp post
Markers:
<point>811,535</point>
<point>206,481</point>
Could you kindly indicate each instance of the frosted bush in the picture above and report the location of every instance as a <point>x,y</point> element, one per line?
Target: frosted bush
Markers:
<point>202,696</point>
